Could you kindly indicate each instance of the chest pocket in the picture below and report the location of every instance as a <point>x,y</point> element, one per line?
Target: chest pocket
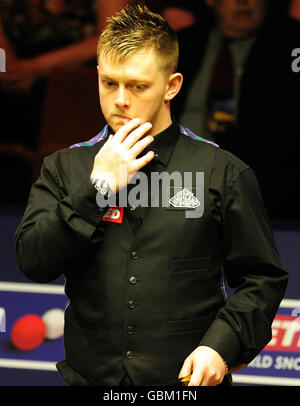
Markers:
<point>190,264</point>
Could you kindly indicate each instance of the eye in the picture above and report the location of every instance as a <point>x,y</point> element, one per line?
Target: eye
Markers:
<point>109,83</point>
<point>137,87</point>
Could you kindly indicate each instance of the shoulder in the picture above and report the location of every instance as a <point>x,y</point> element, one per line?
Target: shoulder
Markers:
<point>226,167</point>
<point>70,159</point>
<point>201,144</point>
<point>229,164</point>
<point>80,150</point>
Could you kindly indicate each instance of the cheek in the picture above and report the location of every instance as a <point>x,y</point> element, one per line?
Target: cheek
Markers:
<point>151,106</point>
<point>104,101</point>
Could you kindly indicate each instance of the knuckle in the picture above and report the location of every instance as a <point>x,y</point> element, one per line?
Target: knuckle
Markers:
<point>212,372</point>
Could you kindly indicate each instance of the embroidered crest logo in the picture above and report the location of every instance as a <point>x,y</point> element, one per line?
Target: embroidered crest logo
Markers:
<point>184,199</point>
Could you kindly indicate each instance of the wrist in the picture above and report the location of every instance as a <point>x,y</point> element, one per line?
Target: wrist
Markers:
<point>220,357</point>
<point>225,365</point>
<point>102,186</point>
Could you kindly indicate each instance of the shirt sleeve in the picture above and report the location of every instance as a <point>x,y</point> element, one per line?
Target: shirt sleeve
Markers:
<point>252,269</point>
<point>57,225</point>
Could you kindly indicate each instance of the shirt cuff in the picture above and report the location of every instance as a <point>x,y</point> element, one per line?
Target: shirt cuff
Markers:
<point>85,204</point>
<point>222,338</point>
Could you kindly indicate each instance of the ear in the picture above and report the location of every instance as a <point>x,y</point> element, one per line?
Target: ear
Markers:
<point>174,85</point>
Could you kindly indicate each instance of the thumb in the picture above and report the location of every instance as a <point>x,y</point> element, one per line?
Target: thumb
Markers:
<point>186,368</point>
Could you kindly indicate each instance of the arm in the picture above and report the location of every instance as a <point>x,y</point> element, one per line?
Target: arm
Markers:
<point>83,50</point>
<point>62,214</point>
<point>252,267</point>
<point>57,225</point>
<point>80,52</point>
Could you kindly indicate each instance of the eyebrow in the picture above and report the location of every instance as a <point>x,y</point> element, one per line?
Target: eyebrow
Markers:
<point>138,80</point>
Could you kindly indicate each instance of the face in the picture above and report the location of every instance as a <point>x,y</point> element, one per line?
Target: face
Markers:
<point>136,88</point>
<point>239,18</point>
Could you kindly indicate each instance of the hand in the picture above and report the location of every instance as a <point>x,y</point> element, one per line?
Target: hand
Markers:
<point>116,161</point>
<point>21,75</point>
<point>206,367</point>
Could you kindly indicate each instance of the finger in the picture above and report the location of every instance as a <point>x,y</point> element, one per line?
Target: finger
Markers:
<point>141,145</point>
<point>123,132</point>
<point>105,146</point>
<point>136,134</point>
<point>141,162</point>
<point>186,368</point>
<point>197,377</point>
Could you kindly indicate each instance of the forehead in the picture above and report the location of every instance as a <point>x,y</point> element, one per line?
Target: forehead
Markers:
<point>142,63</point>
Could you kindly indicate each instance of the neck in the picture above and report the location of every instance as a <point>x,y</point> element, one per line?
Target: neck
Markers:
<point>162,122</point>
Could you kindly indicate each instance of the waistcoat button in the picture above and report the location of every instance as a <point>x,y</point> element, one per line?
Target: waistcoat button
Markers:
<point>134,255</point>
<point>132,280</point>
<point>129,330</point>
<point>129,355</point>
<point>131,304</point>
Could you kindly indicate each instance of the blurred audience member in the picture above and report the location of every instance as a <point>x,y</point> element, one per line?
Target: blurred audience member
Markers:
<point>38,36</point>
<point>240,91</point>
<point>179,14</point>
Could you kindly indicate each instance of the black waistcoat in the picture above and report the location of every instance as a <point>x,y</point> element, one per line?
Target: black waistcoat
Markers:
<point>142,301</point>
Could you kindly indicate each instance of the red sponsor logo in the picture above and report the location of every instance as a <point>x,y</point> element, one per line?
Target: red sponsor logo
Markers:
<point>114,214</point>
<point>285,334</point>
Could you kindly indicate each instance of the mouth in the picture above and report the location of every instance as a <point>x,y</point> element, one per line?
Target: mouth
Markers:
<point>123,118</point>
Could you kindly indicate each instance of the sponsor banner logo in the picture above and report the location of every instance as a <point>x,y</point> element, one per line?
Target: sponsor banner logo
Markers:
<point>279,362</point>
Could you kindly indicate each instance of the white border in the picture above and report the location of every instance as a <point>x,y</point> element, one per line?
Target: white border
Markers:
<point>290,303</point>
<point>31,288</point>
<point>265,380</point>
<point>25,364</point>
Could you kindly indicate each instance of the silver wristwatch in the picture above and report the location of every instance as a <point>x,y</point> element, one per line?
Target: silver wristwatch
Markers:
<point>102,186</point>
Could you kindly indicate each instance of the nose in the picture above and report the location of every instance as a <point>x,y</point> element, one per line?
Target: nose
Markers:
<point>122,99</point>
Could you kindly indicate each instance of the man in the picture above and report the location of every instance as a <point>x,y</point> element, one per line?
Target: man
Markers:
<point>146,299</point>
<point>241,92</point>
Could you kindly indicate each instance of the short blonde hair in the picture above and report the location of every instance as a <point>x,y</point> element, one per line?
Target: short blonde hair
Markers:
<point>136,28</point>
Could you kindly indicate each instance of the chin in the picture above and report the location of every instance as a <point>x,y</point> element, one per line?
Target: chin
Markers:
<point>114,127</point>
